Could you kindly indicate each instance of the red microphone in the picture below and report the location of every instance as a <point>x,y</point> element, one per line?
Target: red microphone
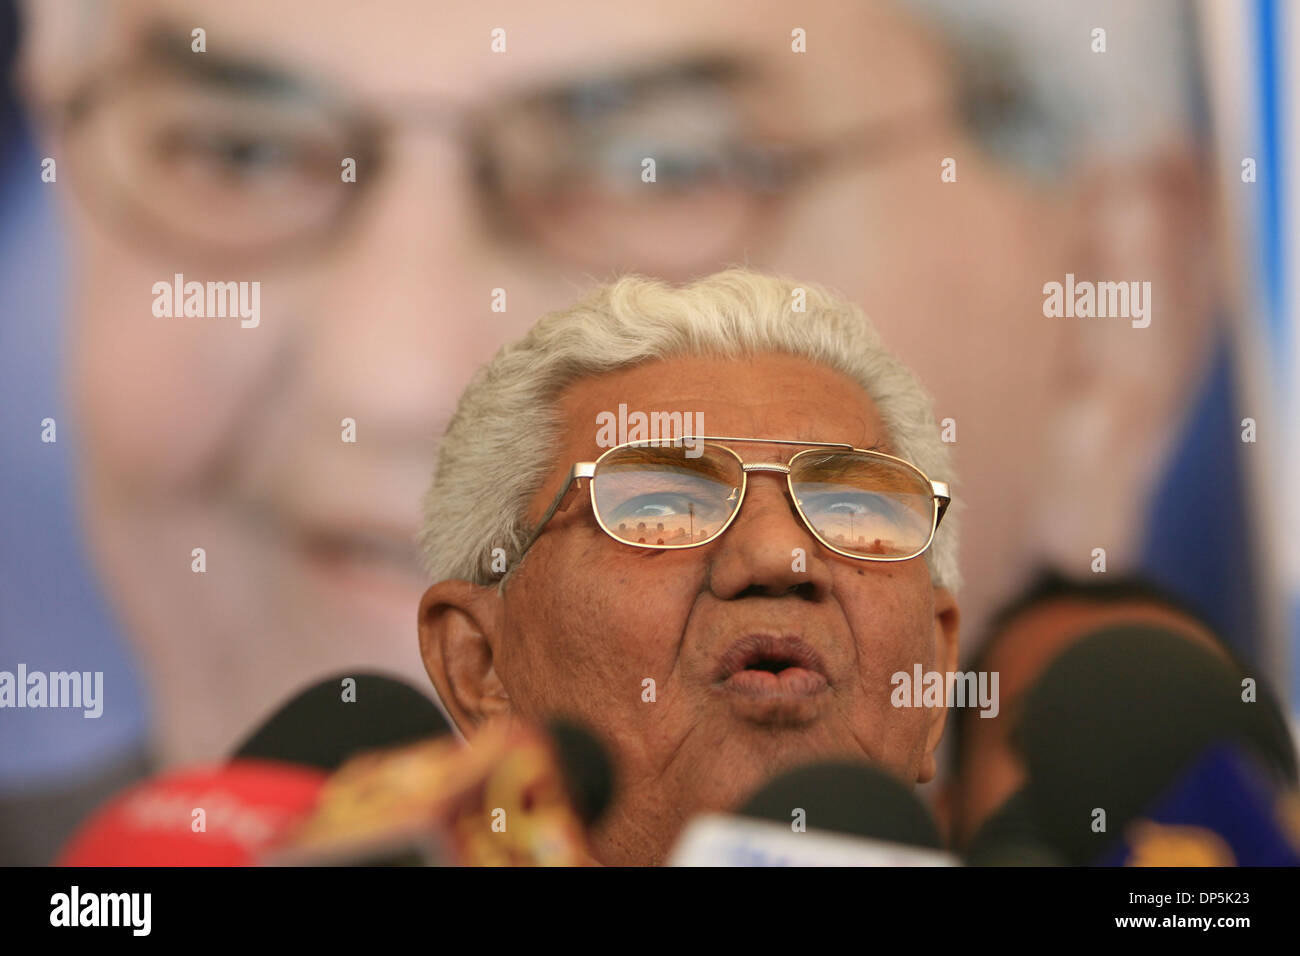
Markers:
<point>224,815</point>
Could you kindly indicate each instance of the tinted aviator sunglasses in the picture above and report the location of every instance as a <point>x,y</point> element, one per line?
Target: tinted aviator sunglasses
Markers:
<point>683,493</point>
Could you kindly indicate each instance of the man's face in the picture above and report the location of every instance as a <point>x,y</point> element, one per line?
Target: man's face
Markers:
<point>586,620</point>
<point>203,434</point>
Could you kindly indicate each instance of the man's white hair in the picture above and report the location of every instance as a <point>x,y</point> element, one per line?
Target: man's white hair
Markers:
<point>502,440</point>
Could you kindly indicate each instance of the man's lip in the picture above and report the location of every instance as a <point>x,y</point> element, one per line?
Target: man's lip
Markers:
<point>793,652</point>
<point>791,682</point>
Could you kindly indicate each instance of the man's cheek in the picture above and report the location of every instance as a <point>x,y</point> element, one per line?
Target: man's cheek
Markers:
<point>893,672</point>
<point>152,407</point>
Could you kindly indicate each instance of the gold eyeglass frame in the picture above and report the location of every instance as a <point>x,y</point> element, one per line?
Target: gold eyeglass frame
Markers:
<point>587,469</point>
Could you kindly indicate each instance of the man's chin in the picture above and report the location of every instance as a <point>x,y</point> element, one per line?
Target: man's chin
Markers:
<point>744,767</point>
<point>645,827</point>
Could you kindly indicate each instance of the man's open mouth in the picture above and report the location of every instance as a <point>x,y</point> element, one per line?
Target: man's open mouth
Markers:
<point>761,665</point>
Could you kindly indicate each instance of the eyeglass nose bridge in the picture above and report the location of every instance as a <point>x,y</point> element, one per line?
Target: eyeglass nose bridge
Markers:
<point>779,468</point>
<point>772,466</point>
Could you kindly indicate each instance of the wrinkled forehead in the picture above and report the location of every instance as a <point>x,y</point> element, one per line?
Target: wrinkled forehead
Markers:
<point>772,396</point>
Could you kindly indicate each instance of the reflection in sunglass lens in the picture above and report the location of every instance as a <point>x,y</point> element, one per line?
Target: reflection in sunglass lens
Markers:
<point>662,496</point>
<point>863,504</point>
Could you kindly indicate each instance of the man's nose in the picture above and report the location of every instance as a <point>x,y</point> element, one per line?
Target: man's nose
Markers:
<point>400,313</point>
<point>768,550</point>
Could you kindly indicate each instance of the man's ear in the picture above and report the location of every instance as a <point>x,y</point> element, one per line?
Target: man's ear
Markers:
<point>460,631</point>
<point>1126,384</point>
<point>947,623</point>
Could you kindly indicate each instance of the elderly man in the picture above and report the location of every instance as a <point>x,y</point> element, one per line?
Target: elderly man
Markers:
<point>717,608</point>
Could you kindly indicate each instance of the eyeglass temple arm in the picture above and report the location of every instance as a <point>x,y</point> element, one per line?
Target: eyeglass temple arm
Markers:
<point>563,500</point>
<point>943,497</point>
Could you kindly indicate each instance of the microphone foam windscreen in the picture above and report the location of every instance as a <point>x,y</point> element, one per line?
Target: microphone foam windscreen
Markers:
<point>1115,718</point>
<point>1011,837</point>
<point>329,722</point>
<point>586,768</point>
<point>846,797</point>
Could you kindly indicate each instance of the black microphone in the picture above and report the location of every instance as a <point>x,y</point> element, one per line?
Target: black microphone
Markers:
<point>585,767</point>
<point>333,720</point>
<point>846,797</point>
<point>1134,724</point>
<point>1011,837</point>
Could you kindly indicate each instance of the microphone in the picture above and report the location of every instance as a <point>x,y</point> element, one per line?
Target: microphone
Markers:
<point>854,814</point>
<point>1135,730</point>
<point>341,716</point>
<point>403,791</point>
<point>1011,837</point>
<point>585,769</point>
<point>516,797</point>
<point>225,815</point>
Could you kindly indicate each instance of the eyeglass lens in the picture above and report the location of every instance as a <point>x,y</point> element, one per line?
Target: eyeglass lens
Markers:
<point>856,502</point>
